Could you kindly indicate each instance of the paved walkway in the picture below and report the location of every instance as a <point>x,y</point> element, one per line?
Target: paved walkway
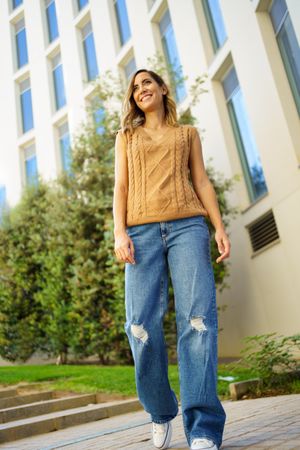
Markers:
<point>266,423</point>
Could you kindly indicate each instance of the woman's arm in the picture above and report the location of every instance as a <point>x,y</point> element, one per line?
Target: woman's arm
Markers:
<point>121,185</point>
<point>207,195</point>
<point>124,249</point>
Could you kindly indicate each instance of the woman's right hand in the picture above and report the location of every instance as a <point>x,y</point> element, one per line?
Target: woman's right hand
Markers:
<point>124,248</point>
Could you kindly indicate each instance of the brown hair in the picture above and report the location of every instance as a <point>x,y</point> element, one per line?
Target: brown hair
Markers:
<point>133,116</point>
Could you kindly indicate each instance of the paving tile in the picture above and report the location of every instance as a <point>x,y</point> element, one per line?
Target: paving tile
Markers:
<point>255,424</point>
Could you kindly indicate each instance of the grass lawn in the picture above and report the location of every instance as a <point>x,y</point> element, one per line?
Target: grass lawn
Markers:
<point>108,379</point>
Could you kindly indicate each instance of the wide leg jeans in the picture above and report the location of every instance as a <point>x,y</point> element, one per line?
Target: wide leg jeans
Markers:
<point>183,247</point>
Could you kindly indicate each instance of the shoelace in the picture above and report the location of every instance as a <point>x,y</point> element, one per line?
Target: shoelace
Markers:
<point>207,442</point>
<point>158,427</point>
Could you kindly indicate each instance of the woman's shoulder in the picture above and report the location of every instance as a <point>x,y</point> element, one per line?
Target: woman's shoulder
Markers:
<point>122,134</point>
<point>188,126</point>
<point>190,130</point>
<point>126,134</point>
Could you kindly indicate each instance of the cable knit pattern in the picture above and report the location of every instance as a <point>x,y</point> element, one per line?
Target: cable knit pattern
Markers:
<point>159,188</point>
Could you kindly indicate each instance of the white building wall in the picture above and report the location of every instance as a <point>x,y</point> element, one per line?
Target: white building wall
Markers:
<point>264,289</point>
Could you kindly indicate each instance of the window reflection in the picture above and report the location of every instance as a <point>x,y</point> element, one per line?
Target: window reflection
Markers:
<point>246,144</point>
<point>171,53</point>
<point>215,23</point>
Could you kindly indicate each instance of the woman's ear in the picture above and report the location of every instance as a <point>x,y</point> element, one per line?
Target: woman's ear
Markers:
<point>164,90</point>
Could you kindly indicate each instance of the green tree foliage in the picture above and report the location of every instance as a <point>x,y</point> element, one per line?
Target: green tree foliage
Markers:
<point>96,285</point>
<point>61,287</point>
<point>22,241</point>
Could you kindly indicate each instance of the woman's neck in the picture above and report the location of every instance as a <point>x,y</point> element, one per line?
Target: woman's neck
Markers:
<point>154,120</point>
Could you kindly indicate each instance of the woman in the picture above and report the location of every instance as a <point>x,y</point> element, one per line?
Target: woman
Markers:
<point>159,225</point>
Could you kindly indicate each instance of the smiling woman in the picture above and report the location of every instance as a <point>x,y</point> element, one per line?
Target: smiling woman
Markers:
<point>147,90</point>
<point>159,225</point>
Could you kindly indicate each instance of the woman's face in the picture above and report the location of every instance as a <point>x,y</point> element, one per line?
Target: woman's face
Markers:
<point>147,93</point>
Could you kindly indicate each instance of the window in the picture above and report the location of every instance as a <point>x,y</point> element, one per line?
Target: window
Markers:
<point>64,145</point>
<point>122,19</point>
<point>215,23</point>
<point>51,20</point>
<point>2,201</point>
<point>171,53</point>
<point>248,151</point>
<point>21,43</point>
<point>30,162</point>
<point>96,111</point>
<point>58,80</point>
<point>81,4</point>
<point>89,52</point>
<point>130,68</point>
<point>16,3</point>
<point>99,117</point>
<point>288,45</point>
<point>26,105</point>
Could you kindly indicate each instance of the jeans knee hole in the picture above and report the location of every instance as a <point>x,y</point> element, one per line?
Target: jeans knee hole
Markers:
<point>197,323</point>
<point>139,332</point>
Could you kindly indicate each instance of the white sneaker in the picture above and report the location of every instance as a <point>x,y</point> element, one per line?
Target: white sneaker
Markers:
<point>203,443</point>
<point>161,433</point>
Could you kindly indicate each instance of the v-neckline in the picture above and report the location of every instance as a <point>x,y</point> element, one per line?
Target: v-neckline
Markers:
<point>150,138</point>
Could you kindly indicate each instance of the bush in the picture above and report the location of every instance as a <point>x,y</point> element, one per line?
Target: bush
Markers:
<point>273,358</point>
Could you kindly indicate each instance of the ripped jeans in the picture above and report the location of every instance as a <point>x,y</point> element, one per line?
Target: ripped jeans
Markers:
<point>183,246</point>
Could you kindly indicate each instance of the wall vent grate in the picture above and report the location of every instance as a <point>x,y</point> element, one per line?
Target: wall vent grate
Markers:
<point>263,231</point>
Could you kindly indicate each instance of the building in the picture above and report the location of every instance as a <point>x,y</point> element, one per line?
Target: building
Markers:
<point>249,119</point>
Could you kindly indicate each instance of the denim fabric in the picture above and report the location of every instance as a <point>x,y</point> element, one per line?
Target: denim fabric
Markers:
<point>183,247</point>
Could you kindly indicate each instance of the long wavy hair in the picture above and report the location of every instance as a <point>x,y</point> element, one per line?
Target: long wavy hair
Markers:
<point>133,116</point>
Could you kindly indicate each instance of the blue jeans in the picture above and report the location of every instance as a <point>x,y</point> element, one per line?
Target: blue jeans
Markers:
<point>183,246</point>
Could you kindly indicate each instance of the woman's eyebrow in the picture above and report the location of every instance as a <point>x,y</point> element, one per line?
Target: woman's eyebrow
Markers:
<point>145,79</point>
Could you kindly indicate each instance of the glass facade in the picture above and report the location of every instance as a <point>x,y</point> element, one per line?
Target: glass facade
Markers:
<point>130,68</point>
<point>122,19</point>
<point>89,51</point>
<point>30,161</point>
<point>215,23</point>
<point>21,43</point>
<point>2,200</point>
<point>58,80</point>
<point>26,105</point>
<point>51,20</point>
<point>248,151</point>
<point>16,3</point>
<point>65,148</point>
<point>171,53</point>
<point>81,3</point>
<point>99,116</point>
<point>288,45</point>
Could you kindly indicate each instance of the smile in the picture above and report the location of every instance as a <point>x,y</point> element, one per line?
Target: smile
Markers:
<point>145,96</point>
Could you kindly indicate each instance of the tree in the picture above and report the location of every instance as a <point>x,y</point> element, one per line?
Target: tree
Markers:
<point>22,240</point>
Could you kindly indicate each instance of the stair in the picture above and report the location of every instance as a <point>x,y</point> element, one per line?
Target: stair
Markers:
<point>32,413</point>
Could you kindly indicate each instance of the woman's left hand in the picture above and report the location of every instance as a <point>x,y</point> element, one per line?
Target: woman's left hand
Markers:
<point>223,243</point>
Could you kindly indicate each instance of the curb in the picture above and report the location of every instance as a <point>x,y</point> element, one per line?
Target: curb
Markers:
<point>237,390</point>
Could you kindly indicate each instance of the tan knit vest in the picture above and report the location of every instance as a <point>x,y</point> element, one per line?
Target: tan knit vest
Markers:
<point>159,187</point>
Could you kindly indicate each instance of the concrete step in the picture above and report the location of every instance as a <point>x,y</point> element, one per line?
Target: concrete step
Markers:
<point>20,429</point>
<point>45,407</point>
<point>18,400</point>
<point>8,392</point>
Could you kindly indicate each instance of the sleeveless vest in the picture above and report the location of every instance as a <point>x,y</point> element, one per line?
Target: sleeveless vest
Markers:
<point>159,185</point>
